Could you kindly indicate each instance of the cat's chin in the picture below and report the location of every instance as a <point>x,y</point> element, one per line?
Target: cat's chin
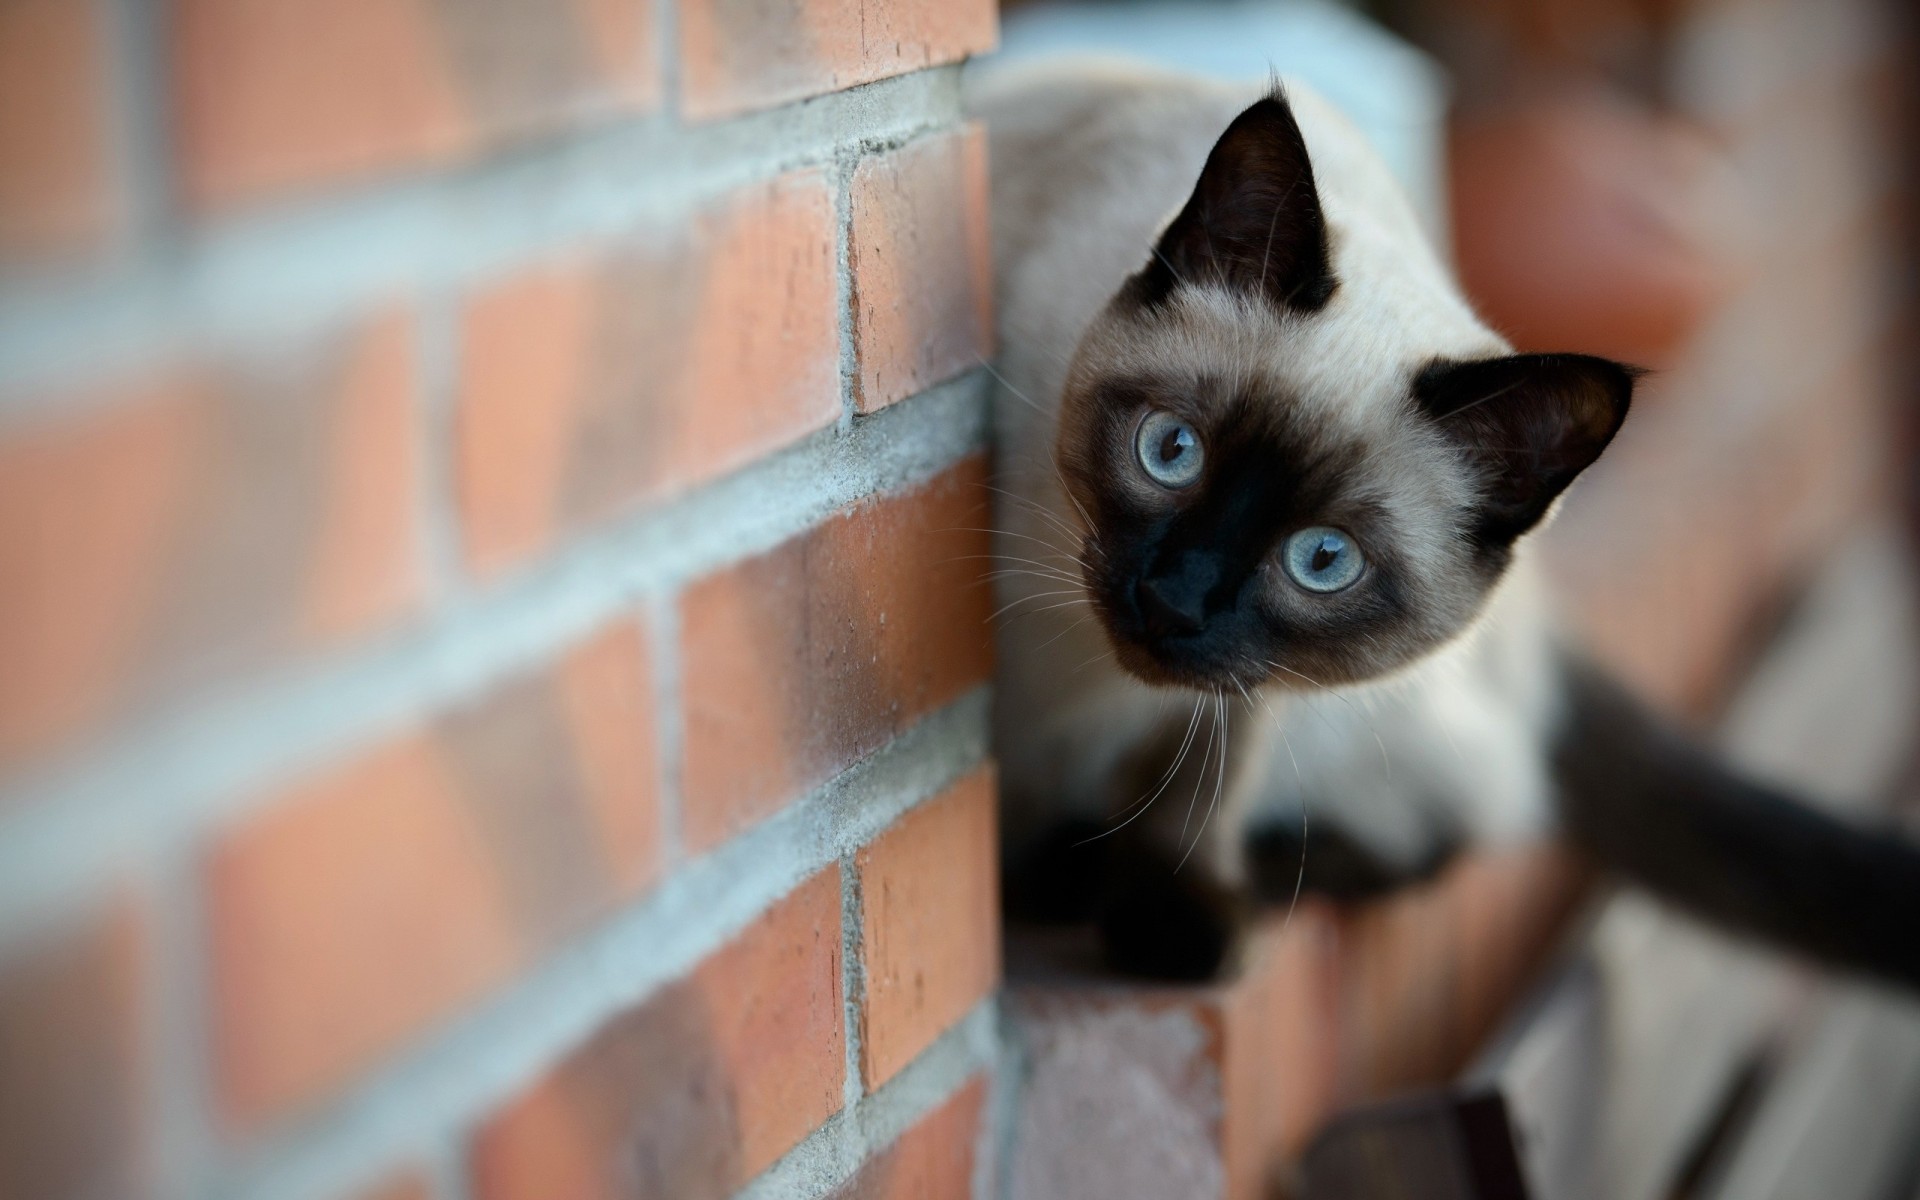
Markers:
<point>1187,671</point>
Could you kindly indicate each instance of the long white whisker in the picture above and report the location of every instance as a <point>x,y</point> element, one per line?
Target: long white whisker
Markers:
<point>1043,512</point>
<point>1064,632</point>
<point>1141,806</point>
<point>1025,537</point>
<point>1219,783</point>
<point>1386,760</point>
<point>1205,756</point>
<point>1299,782</point>
<point>998,612</point>
<point>995,372</point>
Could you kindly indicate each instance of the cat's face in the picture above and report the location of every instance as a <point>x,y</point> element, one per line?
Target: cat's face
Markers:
<point>1278,488</point>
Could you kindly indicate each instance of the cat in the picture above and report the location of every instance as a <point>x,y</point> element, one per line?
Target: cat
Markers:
<point>1265,489</point>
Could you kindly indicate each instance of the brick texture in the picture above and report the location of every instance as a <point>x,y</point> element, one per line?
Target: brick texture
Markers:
<point>1137,1090</point>
<point>800,661</point>
<point>55,184</point>
<point>272,96</point>
<point>932,1161</point>
<point>736,55</point>
<point>596,384</point>
<point>1426,976</point>
<point>202,523</point>
<point>922,266</point>
<point>698,1089</point>
<point>372,900</point>
<point>930,916</point>
<point>70,1091</point>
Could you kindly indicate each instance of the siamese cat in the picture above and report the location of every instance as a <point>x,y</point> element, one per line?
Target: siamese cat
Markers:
<point>1265,492</point>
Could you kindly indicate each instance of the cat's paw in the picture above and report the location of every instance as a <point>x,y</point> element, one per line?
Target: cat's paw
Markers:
<point>1330,863</point>
<point>1059,876</point>
<point>1173,925</point>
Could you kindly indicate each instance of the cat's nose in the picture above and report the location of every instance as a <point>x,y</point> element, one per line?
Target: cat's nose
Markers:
<point>1167,613</point>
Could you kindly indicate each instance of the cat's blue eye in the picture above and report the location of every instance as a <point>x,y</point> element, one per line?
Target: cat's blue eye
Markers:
<point>1322,559</point>
<point>1169,450</point>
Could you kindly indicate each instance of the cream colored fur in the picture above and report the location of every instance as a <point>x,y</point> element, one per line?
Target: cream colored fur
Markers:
<point>1090,161</point>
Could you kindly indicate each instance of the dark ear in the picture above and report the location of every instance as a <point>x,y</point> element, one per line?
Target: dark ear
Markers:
<point>1531,422</point>
<point>1253,222</point>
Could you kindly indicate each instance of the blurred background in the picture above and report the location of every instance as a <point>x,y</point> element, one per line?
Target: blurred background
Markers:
<point>494,679</point>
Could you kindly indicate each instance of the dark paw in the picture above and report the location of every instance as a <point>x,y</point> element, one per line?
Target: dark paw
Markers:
<point>1060,876</point>
<point>1172,925</point>
<point>1330,864</point>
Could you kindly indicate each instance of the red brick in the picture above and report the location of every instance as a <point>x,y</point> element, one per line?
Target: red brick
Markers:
<point>698,1089</point>
<point>930,924</point>
<point>599,383</point>
<point>55,189</point>
<point>1175,1085</point>
<point>737,56</point>
<point>798,662</point>
<point>201,523</point>
<point>922,266</point>
<point>931,1161</point>
<point>71,1088</point>
<point>1279,1058</point>
<point>277,95</point>
<point>1427,974</point>
<point>370,901</point>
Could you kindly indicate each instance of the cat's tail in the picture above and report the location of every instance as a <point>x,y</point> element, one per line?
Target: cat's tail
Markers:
<point>1642,799</point>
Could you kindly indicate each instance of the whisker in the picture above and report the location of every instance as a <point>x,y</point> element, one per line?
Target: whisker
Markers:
<point>1064,632</point>
<point>1058,604</point>
<point>1022,600</point>
<point>1037,562</point>
<point>1170,267</point>
<point>1042,511</point>
<point>1219,783</point>
<point>1141,806</point>
<point>1025,537</point>
<point>1105,652</point>
<point>1032,567</point>
<point>1301,878</point>
<point>1386,760</point>
<point>995,372</point>
<point>1017,572</point>
<point>1205,755</point>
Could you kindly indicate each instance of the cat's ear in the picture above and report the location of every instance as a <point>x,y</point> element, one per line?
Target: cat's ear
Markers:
<point>1253,222</point>
<point>1530,422</point>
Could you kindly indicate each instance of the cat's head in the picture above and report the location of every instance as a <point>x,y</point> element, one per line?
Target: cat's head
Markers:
<point>1298,455</point>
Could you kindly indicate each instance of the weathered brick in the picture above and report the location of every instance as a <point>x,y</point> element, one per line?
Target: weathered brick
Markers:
<point>56,191</point>
<point>699,1088</point>
<point>599,383</point>
<point>931,1161</point>
<point>202,523</point>
<point>72,1081</point>
<point>372,900</point>
<point>930,924</point>
<point>922,266</point>
<point>1161,1090</point>
<point>737,56</point>
<point>1426,975</point>
<point>276,95</point>
<point>799,661</point>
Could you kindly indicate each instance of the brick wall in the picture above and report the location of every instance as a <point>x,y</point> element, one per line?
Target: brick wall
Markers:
<point>494,700</point>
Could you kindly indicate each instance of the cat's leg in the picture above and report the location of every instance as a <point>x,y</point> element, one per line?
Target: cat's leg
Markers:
<point>1174,904</point>
<point>1326,860</point>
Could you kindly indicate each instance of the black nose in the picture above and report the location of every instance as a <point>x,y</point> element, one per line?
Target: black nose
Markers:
<point>1166,612</point>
